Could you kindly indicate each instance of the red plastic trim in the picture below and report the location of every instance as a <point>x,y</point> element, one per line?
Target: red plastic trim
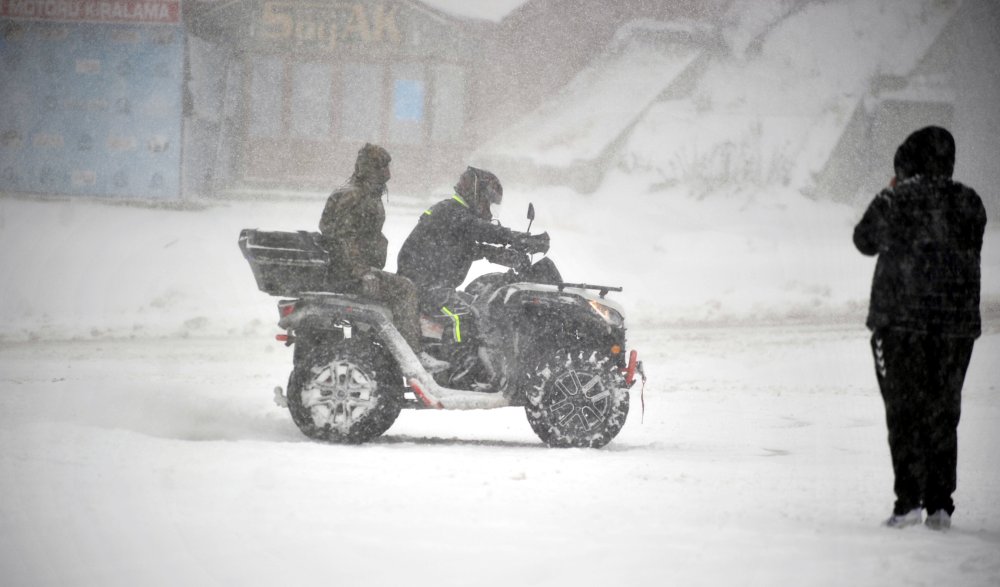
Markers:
<point>633,359</point>
<point>415,386</point>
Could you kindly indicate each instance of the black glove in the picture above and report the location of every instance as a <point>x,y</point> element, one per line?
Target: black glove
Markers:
<point>508,257</point>
<point>532,243</point>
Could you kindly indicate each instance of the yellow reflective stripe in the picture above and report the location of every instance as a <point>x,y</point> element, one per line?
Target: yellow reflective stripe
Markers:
<point>427,212</point>
<point>459,199</point>
<point>458,323</point>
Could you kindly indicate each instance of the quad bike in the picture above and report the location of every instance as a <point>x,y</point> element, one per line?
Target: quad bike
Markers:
<point>555,348</point>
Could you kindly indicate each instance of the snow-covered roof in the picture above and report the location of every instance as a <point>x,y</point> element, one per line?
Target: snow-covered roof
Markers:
<point>491,10</point>
<point>797,96</point>
<point>774,115</point>
<point>595,108</point>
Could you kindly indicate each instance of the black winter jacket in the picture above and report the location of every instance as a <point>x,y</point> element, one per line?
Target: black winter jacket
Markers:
<point>444,244</point>
<point>928,234</point>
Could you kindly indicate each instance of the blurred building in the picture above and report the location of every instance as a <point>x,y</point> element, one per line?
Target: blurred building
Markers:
<point>283,93</point>
<point>543,44</point>
<point>575,82</point>
<point>91,98</point>
<point>163,99</point>
<point>572,78</point>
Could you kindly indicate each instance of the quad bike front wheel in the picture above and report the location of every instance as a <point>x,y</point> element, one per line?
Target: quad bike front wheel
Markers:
<point>576,399</point>
<point>338,396</point>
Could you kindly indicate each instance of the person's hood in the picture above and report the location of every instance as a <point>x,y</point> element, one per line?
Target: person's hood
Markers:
<point>929,152</point>
<point>372,165</point>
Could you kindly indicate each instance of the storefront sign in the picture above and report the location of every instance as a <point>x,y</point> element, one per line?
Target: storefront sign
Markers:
<point>329,26</point>
<point>106,11</point>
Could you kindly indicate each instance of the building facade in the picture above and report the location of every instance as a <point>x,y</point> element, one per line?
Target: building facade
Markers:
<point>290,90</point>
<point>91,98</point>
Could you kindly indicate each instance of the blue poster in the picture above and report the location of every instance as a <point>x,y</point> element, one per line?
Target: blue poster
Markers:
<point>91,108</point>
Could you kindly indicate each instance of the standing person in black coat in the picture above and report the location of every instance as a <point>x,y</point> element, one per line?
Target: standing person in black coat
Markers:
<point>927,231</point>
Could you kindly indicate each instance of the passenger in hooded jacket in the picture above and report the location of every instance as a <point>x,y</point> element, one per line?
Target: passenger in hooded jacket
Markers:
<point>351,228</point>
<point>927,231</point>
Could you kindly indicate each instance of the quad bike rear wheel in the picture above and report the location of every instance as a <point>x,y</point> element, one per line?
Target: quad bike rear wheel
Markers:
<point>576,399</point>
<point>338,395</point>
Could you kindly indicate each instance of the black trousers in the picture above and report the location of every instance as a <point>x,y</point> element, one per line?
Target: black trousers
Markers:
<point>921,377</point>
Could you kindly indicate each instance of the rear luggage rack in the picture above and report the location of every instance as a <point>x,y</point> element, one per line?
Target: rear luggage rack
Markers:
<point>286,263</point>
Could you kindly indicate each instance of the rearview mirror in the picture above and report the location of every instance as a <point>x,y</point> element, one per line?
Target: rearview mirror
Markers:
<point>531,211</point>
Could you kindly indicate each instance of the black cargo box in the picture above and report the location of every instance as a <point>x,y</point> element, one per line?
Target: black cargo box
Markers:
<point>286,263</point>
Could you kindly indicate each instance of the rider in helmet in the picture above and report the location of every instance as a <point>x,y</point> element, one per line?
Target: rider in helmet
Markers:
<point>457,231</point>
<point>449,237</point>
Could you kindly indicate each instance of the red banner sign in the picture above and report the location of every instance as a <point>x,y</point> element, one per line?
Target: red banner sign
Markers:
<point>107,11</point>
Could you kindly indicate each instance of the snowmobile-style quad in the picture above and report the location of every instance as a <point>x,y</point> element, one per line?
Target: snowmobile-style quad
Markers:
<point>555,348</point>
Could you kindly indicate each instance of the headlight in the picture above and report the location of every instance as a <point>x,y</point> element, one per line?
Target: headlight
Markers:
<point>610,315</point>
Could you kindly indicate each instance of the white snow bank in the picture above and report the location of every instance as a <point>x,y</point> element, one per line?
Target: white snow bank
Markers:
<point>85,269</point>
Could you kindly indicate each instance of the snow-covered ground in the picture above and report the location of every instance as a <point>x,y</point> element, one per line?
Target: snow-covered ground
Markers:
<point>139,444</point>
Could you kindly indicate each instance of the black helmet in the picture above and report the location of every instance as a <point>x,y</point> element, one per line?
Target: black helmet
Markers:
<point>477,185</point>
